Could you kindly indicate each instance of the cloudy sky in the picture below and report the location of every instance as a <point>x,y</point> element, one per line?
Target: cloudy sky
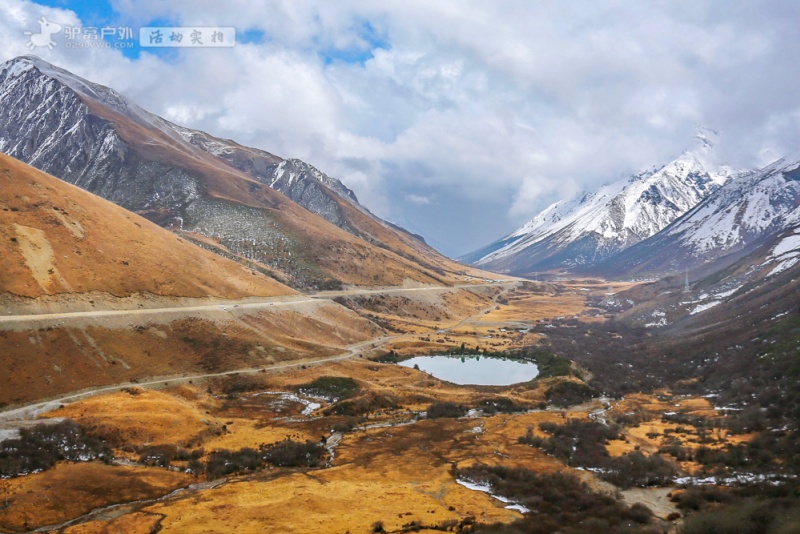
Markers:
<point>458,119</point>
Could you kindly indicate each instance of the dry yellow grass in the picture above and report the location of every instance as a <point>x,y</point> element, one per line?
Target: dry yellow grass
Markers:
<point>652,434</point>
<point>393,474</point>
<point>141,417</point>
<point>58,238</point>
<point>247,433</point>
<point>70,490</point>
<point>135,523</point>
<point>532,308</point>
<point>338,500</point>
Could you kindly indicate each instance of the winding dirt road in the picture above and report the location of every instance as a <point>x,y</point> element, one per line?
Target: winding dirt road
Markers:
<point>9,418</point>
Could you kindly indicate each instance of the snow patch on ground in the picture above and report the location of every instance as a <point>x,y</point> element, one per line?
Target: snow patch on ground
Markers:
<point>485,488</point>
<point>310,406</point>
<point>703,307</point>
<point>788,244</point>
<point>785,264</point>
<point>738,478</point>
<point>725,294</point>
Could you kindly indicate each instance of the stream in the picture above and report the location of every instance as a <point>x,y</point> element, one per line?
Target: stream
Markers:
<point>113,511</point>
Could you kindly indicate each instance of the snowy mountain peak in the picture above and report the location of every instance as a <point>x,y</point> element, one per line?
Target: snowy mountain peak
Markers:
<point>17,66</point>
<point>705,137</point>
<point>594,225</point>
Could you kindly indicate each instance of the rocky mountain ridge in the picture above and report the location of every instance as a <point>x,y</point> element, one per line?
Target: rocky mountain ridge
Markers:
<point>596,225</point>
<point>234,200</point>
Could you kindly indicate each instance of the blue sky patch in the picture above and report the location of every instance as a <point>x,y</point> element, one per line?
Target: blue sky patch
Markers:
<point>357,55</point>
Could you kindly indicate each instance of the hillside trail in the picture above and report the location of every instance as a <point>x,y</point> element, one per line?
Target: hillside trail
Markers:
<point>8,418</point>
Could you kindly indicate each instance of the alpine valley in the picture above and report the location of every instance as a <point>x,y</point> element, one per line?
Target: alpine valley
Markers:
<point>200,336</point>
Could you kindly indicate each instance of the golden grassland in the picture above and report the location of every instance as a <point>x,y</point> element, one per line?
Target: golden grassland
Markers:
<point>142,417</point>
<point>391,467</point>
<point>72,489</point>
<point>393,474</point>
<point>133,523</point>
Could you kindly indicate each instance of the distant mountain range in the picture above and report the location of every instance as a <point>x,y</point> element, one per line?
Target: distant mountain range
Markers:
<point>280,216</point>
<point>594,226</point>
<point>749,212</point>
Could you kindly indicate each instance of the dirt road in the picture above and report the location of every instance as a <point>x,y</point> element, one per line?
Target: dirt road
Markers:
<point>231,306</point>
<point>31,411</point>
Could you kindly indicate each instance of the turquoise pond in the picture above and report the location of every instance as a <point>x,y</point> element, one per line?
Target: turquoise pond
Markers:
<point>476,370</point>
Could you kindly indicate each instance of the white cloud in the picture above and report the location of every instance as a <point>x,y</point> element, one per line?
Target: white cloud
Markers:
<point>509,103</point>
<point>419,199</point>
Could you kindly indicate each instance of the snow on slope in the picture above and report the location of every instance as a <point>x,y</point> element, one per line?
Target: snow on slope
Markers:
<point>750,211</point>
<point>786,253</point>
<point>29,85</point>
<point>747,208</point>
<point>614,217</point>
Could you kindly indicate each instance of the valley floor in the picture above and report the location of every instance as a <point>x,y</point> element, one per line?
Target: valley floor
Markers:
<point>381,464</point>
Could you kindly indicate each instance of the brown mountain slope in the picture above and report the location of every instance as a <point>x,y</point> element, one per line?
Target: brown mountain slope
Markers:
<point>57,238</point>
<point>373,254</point>
<point>203,187</point>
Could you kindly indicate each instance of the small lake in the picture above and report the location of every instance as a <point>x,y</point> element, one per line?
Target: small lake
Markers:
<point>475,370</point>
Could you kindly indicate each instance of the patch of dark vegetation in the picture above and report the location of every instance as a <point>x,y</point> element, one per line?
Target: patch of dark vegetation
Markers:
<point>750,509</point>
<point>286,453</point>
<point>583,444</point>
<point>439,410</point>
<point>295,454</point>
<point>577,443</point>
<point>226,462</point>
<point>329,284</point>
<point>614,353</point>
<point>558,502</point>
<point>388,357</point>
<point>549,364</point>
<point>39,448</point>
<point>331,388</point>
<point>362,405</point>
<point>694,420</point>
<point>164,455</point>
<point>766,453</point>
<point>636,469</point>
<point>344,424</point>
<point>214,348</point>
<point>750,366</point>
<point>569,393</point>
<point>234,385</point>
<point>383,323</point>
<point>500,405</point>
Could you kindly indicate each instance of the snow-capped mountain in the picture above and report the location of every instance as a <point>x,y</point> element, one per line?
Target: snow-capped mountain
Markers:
<point>736,219</point>
<point>595,225</point>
